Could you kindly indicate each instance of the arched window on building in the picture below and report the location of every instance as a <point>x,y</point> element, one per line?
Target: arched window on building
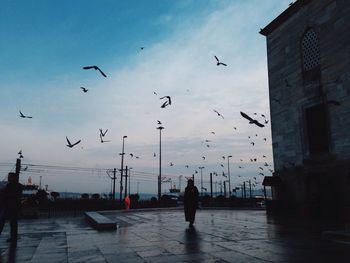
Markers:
<point>310,52</point>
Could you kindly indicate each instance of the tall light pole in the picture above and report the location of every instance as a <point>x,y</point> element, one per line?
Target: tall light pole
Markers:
<point>160,128</point>
<point>129,179</point>
<point>201,168</point>
<point>121,170</point>
<point>229,176</point>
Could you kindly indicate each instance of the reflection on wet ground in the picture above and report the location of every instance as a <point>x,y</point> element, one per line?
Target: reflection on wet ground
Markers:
<point>164,236</point>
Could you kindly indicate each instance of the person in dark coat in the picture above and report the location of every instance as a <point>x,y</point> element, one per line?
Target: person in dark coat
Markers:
<point>190,201</point>
<point>11,201</point>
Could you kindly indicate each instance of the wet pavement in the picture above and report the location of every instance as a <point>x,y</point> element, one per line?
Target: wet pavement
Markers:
<point>163,236</point>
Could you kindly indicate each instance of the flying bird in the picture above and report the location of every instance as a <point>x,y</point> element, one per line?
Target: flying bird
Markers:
<point>252,143</point>
<point>24,116</point>
<point>96,68</point>
<point>159,122</point>
<point>262,169</point>
<point>252,121</point>
<point>218,114</point>
<point>261,174</point>
<point>165,104</point>
<point>20,152</point>
<point>84,89</point>
<point>264,156</point>
<point>154,155</point>
<point>142,48</point>
<point>264,139</point>
<point>218,63</point>
<point>240,167</point>
<point>71,145</point>
<point>171,164</point>
<point>266,164</point>
<point>132,155</point>
<point>222,165</point>
<point>203,188</point>
<point>186,166</point>
<point>101,138</point>
<point>203,157</point>
<point>103,133</point>
<point>212,132</point>
<point>223,157</point>
<point>166,97</point>
<point>155,93</point>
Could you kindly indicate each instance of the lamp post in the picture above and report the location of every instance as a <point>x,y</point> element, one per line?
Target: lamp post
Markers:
<point>229,176</point>
<point>201,168</point>
<point>121,170</point>
<point>160,128</point>
<point>129,179</point>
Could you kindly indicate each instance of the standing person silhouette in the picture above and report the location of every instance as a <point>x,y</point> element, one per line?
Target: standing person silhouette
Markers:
<point>11,201</point>
<point>190,201</point>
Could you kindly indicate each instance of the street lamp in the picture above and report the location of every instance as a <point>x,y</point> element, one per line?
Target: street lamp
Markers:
<point>121,170</point>
<point>160,128</point>
<point>229,176</point>
<point>201,168</point>
<point>129,179</point>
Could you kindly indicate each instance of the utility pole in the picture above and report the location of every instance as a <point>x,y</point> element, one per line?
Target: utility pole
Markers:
<point>129,179</point>
<point>18,168</point>
<point>229,175</point>
<point>201,168</point>
<point>220,187</point>
<point>114,177</point>
<point>193,178</point>
<point>126,181</point>
<point>40,182</point>
<point>250,189</point>
<point>244,193</point>
<point>211,185</point>
<point>225,188</point>
<point>160,128</point>
<point>138,187</point>
<point>121,171</point>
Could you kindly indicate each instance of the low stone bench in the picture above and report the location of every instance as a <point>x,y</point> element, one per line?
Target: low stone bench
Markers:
<point>99,221</point>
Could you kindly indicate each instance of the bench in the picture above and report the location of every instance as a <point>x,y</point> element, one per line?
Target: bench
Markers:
<point>99,221</point>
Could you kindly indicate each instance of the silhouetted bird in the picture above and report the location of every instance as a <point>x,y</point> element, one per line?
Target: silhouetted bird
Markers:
<point>159,122</point>
<point>132,155</point>
<point>262,169</point>
<point>218,113</point>
<point>101,138</point>
<point>222,165</point>
<point>186,166</point>
<point>264,139</point>
<point>142,48</point>
<point>25,168</point>
<point>212,132</point>
<point>168,98</point>
<point>84,89</point>
<point>164,104</point>
<point>71,145</point>
<point>262,115</point>
<point>195,171</point>
<point>252,121</point>
<point>203,157</point>
<point>264,156</point>
<point>207,140</point>
<point>171,164</point>
<point>270,170</point>
<point>103,133</point>
<point>266,164</point>
<point>20,152</point>
<point>137,157</point>
<point>223,157</point>
<point>251,160</point>
<point>208,145</point>
<point>255,159</point>
<point>154,155</point>
<point>241,160</point>
<point>96,68</point>
<point>240,167</point>
<point>235,128</point>
<point>24,116</point>
<point>203,188</point>
<point>252,143</point>
<point>261,174</point>
<point>155,93</point>
<point>218,63</point>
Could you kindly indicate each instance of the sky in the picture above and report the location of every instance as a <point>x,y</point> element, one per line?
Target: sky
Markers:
<point>45,44</point>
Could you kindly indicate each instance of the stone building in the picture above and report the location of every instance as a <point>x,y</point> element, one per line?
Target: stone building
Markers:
<point>308,50</point>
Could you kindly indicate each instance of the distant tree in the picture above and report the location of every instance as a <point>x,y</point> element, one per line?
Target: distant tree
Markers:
<point>55,195</point>
<point>95,196</point>
<point>85,196</point>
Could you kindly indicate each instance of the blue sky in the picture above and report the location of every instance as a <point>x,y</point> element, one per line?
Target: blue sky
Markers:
<point>45,44</point>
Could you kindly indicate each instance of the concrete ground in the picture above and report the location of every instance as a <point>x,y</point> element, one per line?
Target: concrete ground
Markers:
<point>163,236</point>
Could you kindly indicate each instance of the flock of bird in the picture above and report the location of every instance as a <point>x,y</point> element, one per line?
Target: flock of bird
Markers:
<point>167,101</point>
